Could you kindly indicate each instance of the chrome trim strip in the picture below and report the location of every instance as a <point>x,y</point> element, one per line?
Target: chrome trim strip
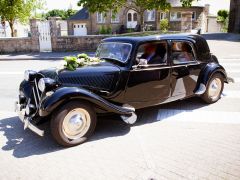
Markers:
<point>150,68</point>
<point>35,99</point>
<point>187,64</point>
<point>38,94</point>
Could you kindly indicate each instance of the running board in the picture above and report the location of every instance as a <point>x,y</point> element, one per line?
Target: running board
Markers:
<point>129,119</point>
<point>201,90</point>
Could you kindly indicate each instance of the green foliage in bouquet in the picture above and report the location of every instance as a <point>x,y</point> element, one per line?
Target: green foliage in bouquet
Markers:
<point>72,62</point>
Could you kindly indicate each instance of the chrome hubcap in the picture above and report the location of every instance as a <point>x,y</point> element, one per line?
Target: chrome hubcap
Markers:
<point>215,88</point>
<point>76,123</point>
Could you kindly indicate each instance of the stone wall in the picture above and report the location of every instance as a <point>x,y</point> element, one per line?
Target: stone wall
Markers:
<point>213,26</point>
<point>75,43</point>
<point>12,45</point>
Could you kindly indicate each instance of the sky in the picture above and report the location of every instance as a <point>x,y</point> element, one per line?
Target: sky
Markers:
<point>215,5</point>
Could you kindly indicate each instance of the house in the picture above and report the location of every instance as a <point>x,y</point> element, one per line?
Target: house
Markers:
<point>86,23</point>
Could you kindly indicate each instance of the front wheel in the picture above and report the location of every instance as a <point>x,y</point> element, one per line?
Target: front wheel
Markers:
<point>214,89</point>
<point>73,123</point>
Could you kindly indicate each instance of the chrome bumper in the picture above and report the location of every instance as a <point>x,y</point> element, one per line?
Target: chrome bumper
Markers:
<point>26,120</point>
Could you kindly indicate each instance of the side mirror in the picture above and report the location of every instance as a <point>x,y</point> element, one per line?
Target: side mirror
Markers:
<point>140,62</point>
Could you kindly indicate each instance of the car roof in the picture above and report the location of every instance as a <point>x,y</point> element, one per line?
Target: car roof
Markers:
<point>203,51</point>
<point>139,39</point>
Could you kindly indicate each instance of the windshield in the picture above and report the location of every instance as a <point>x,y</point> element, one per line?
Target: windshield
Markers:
<point>114,50</point>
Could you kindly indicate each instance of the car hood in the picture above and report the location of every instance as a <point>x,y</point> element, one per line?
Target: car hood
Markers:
<point>102,76</point>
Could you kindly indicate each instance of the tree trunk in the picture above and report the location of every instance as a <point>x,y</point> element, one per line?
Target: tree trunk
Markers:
<point>234,17</point>
<point>3,22</point>
<point>141,14</point>
<point>12,28</point>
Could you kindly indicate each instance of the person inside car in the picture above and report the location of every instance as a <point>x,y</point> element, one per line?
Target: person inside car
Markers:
<point>186,53</point>
<point>155,53</point>
<point>149,52</point>
<point>161,54</point>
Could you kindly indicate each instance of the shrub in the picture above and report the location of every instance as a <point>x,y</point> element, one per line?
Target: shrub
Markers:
<point>223,19</point>
<point>164,25</point>
<point>102,30</point>
<point>109,30</point>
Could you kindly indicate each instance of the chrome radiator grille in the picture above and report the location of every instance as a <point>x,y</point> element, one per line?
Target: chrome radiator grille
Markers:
<point>36,94</point>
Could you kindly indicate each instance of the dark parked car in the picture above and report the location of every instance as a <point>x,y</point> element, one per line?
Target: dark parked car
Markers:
<point>138,72</point>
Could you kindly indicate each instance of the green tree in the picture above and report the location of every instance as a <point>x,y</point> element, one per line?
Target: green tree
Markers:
<point>223,17</point>
<point>21,10</point>
<point>55,13</point>
<point>69,13</point>
<point>64,14</point>
<point>140,6</point>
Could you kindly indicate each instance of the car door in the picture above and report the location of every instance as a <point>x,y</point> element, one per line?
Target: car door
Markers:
<point>185,69</point>
<point>149,84</point>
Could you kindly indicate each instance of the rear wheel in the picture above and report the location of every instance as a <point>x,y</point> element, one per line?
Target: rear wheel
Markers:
<point>73,123</point>
<point>214,89</point>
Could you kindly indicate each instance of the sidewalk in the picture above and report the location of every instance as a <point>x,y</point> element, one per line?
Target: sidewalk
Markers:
<point>40,56</point>
<point>219,43</point>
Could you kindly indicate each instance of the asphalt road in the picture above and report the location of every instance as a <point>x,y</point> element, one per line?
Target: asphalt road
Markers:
<point>181,140</point>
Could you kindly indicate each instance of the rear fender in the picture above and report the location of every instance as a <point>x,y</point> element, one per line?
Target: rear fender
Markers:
<point>66,94</point>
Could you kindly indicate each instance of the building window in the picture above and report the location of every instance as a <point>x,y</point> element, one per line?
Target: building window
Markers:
<point>129,16</point>
<point>194,15</point>
<point>150,15</point>
<point>115,18</point>
<point>175,16</point>
<point>135,17</point>
<point>100,18</point>
<point>163,15</point>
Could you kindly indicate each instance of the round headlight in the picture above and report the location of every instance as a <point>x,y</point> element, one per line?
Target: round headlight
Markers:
<point>30,75</point>
<point>41,85</point>
<point>26,75</point>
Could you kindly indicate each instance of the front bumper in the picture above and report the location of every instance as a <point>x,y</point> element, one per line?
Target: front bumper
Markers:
<point>26,120</point>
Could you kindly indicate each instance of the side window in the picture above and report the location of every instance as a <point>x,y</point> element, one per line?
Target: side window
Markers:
<point>182,52</point>
<point>153,53</point>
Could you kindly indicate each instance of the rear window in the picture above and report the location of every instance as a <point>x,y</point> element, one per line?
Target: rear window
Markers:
<point>182,52</point>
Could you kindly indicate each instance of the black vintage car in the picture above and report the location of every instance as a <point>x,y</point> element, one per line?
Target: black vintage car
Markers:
<point>137,72</point>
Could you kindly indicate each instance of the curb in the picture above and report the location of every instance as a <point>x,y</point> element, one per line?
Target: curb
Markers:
<point>29,59</point>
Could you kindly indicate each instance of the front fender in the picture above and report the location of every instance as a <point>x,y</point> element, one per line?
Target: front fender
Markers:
<point>208,71</point>
<point>66,94</point>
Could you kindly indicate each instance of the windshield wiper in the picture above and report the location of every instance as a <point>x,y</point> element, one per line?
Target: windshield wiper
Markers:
<point>108,58</point>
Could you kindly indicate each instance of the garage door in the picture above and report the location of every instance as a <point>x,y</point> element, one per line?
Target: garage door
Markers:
<point>80,29</point>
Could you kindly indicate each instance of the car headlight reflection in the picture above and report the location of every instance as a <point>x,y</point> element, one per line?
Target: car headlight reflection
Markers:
<point>41,85</point>
<point>46,84</point>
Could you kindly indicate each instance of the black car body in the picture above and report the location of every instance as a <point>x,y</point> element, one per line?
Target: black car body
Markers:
<point>118,87</point>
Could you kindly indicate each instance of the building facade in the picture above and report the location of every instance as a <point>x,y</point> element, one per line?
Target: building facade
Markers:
<point>85,23</point>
